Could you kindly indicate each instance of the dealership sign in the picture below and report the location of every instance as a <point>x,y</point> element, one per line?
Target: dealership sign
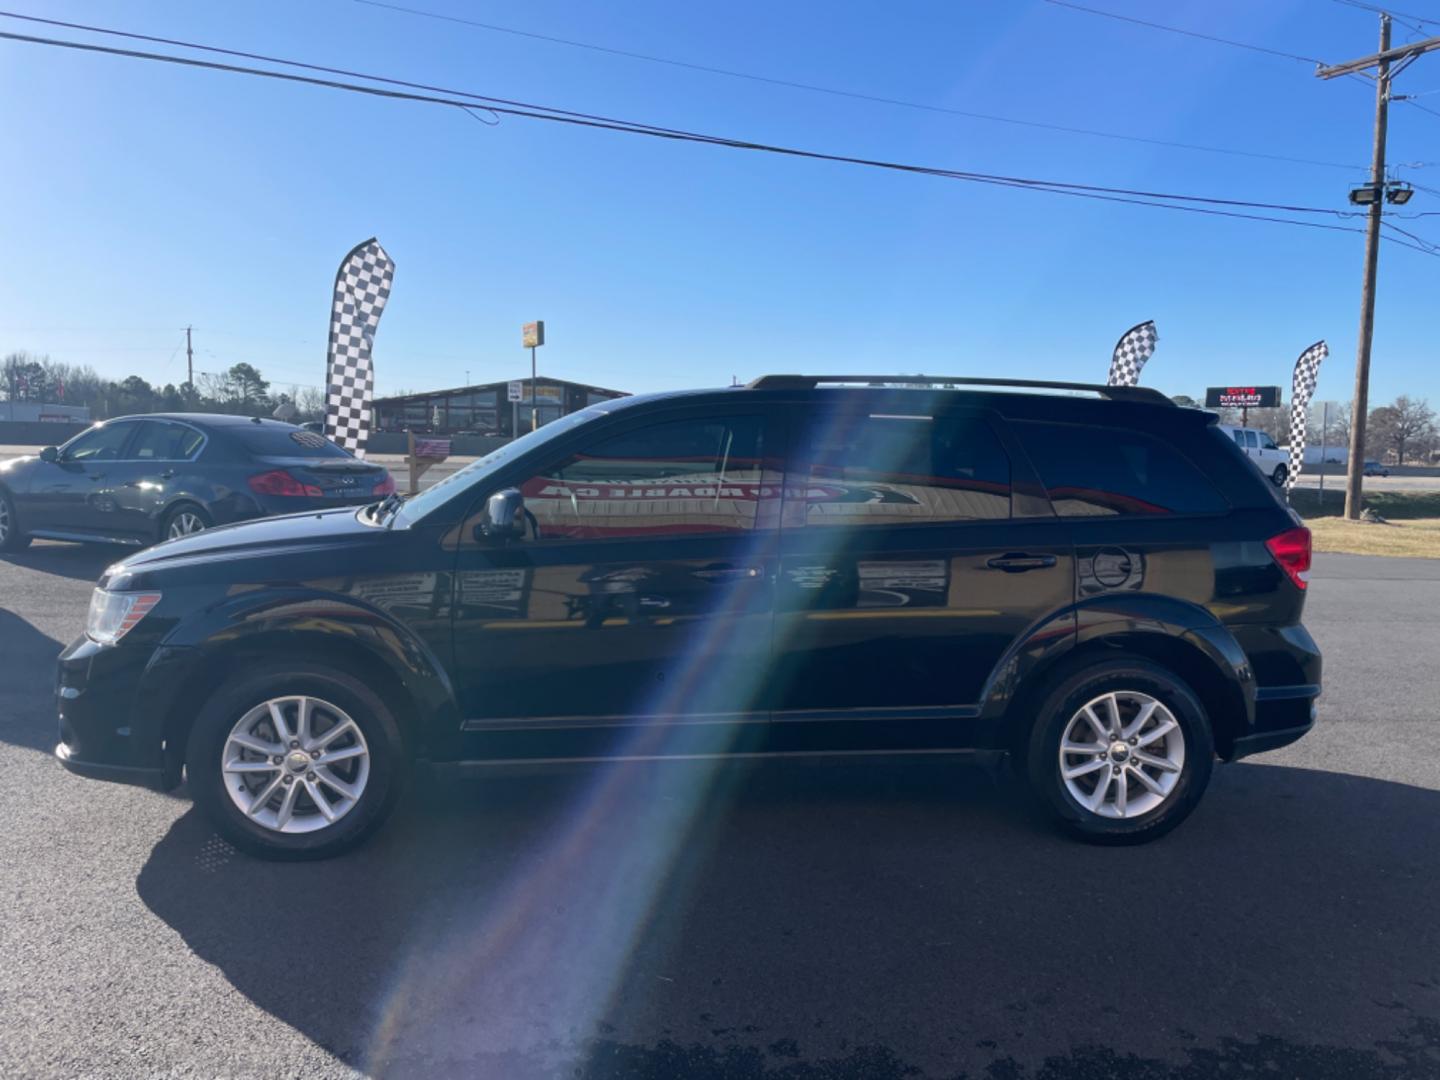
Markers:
<point>1242,397</point>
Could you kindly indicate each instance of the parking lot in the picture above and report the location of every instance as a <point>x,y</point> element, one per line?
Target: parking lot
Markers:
<point>855,919</point>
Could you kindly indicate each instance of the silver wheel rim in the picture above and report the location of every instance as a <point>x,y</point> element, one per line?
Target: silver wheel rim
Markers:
<point>295,764</point>
<point>184,524</point>
<point>1122,754</point>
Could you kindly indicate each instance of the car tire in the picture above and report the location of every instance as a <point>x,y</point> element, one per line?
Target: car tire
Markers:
<point>1279,476</point>
<point>227,776</point>
<point>183,520</point>
<point>1149,800</point>
<point>11,538</point>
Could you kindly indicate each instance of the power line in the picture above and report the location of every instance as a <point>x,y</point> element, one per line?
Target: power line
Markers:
<point>1187,33</point>
<point>547,112</point>
<point>851,94</point>
<point>1110,194</point>
<point>1399,16</point>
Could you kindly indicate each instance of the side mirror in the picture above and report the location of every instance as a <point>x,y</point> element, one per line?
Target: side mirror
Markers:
<point>504,516</point>
<point>50,454</point>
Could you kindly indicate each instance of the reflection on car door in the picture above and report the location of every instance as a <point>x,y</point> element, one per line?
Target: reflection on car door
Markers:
<point>74,494</point>
<point>640,598</point>
<point>912,558</point>
<point>144,483</point>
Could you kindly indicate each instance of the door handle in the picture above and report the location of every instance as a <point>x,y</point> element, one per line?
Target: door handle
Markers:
<point>728,573</point>
<point>1018,564</point>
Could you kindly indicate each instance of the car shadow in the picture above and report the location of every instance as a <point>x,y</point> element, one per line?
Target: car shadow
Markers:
<point>27,688</point>
<point>844,919</point>
<point>81,562</point>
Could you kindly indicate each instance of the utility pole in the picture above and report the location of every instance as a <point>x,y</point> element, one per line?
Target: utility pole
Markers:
<point>1375,195</point>
<point>189,362</point>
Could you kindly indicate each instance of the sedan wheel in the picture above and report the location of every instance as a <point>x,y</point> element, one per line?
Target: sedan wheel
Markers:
<point>295,764</point>
<point>1121,754</point>
<point>183,524</point>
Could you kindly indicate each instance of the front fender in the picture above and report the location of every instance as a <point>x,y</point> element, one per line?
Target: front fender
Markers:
<point>303,622</point>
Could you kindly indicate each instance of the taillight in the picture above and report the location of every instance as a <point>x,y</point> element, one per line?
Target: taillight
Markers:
<point>1291,549</point>
<point>280,482</point>
<point>384,487</point>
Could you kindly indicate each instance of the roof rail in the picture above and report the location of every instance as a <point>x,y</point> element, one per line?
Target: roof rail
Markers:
<point>1145,394</point>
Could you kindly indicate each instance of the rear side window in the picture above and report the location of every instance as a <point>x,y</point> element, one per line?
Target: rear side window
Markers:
<point>853,469</point>
<point>161,440</point>
<point>1095,471</point>
<point>273,440</point>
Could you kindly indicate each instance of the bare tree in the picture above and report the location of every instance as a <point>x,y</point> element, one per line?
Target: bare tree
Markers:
<point>1405,423</point>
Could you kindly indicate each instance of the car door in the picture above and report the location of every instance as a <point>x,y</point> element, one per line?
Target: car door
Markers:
<point>914,554</point>
<point>71,494</point>
<point>639,601</point>
<point>158,463</point>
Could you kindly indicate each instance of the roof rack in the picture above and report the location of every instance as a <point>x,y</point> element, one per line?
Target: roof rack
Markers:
<point>1145,394</point>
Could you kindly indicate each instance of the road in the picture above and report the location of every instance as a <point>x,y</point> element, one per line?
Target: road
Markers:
<point>846,921</point>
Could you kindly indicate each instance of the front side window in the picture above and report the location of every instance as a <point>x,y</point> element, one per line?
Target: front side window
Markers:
<point>1267,443</point>
<point>1094,471</point>
<point>681,478</point>
<point>102,443</point>
<point>857,469</point>
<point>165,441</point>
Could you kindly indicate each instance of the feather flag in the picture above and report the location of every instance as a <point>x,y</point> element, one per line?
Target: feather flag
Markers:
<point>362,286</point>
<point>1135,346</point>
<point>1302,387</point>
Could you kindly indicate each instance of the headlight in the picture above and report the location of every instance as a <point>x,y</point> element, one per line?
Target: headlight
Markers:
<point>114,614</point>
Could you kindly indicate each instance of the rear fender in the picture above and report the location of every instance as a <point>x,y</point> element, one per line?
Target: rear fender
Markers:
<point>1183,637</point>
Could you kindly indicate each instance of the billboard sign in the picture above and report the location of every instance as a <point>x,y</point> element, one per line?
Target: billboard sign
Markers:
<point>532,334</point>
<point>1242,397</point>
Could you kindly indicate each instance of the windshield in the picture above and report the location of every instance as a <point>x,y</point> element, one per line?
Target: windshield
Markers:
<point>417,506</point>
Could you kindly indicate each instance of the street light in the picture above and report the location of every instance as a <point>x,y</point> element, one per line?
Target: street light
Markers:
<point>1365,195</point>
<point>1398,192</point>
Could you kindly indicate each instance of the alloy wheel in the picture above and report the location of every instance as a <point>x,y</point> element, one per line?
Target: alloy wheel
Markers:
<point>1122,754</point>
<point>295,764</point>
<point>183,524</point>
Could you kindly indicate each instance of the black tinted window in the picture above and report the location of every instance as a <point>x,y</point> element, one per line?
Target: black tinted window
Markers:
<point>681,478</point>
<point>276,440</point>
<point>871,469</point>
<point>1091,471</point>
<point>100,443</point>
<point>161,440</point>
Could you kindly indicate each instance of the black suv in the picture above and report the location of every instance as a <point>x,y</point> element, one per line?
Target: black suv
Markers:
<point>1089,578</point>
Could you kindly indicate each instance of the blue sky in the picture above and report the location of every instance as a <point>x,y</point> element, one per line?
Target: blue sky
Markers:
<point>141,197</point>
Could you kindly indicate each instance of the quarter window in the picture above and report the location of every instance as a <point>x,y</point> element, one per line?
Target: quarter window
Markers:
<point>878,469</point>
<point>1093,471</point>
<point>675,479</point>
<point>162,441</point>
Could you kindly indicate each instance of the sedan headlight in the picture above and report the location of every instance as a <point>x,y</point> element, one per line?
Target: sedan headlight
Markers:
<point>114,614</point>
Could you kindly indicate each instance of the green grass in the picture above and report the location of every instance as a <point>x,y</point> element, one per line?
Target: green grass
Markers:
<point>1390,505</point>
<point>1413,517</point>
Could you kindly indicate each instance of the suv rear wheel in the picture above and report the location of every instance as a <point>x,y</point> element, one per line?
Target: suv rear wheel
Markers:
<point>295,762</point>
<point>1121,752</point>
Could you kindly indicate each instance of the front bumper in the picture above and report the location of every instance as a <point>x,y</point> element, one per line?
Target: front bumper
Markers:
<point>112,705</point>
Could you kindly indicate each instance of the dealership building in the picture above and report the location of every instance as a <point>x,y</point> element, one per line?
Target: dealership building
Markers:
<point>486,409</point>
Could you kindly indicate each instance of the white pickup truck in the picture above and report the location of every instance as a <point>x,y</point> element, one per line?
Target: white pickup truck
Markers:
<point>1261,449</point>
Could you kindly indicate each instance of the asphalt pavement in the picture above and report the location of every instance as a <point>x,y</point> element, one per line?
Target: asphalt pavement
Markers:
<point>859,919</point>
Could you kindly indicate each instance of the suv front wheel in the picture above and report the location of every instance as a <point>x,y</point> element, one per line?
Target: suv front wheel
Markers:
<point>1280,475</point>
<point>295,761</point>
<point>1121,752</point>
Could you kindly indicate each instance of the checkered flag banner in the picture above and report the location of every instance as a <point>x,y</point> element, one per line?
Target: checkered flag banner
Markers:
<point>361,288</point>
<point>1307,372</point>
<point>1135,346</point>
